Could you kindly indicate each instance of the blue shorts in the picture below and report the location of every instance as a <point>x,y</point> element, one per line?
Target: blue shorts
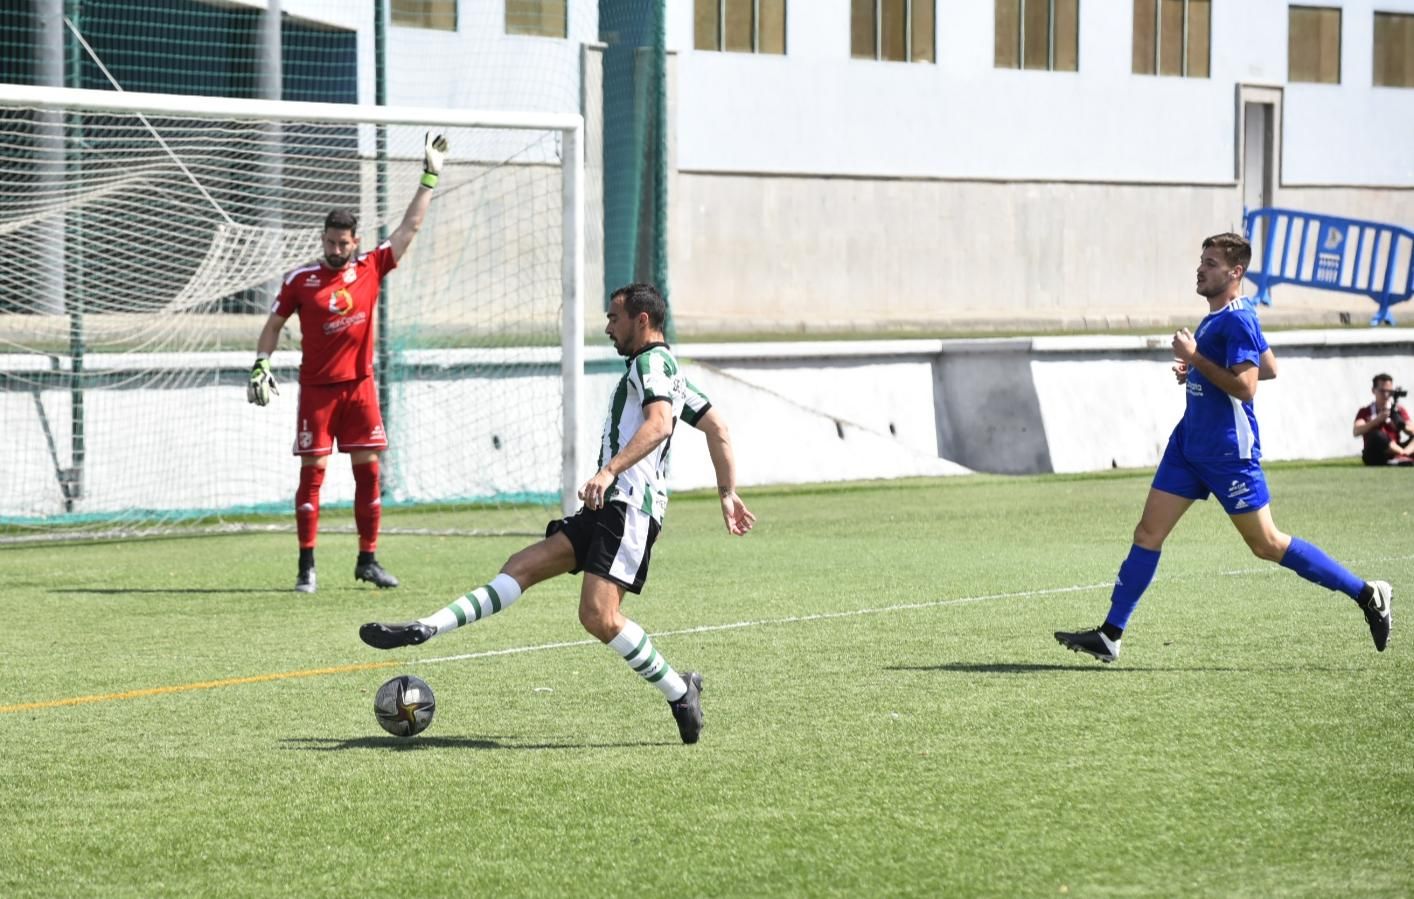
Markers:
<point>1239,483</point>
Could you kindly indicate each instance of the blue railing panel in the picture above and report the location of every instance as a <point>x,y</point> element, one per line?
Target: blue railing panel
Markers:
<point>1331,252</point>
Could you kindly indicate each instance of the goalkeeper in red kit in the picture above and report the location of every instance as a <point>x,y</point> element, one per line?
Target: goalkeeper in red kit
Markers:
<point>338,399</point>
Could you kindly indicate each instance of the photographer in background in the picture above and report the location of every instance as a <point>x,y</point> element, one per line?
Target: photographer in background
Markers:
<point>1384,425</point>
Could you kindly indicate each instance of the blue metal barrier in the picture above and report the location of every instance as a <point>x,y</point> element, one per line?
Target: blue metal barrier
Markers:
<point>1331,253</point>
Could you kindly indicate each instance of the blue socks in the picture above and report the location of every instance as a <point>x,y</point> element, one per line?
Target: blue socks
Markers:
<point>1134,577</point>
<point>1309,561</point>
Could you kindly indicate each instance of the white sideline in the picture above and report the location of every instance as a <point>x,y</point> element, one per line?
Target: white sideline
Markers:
<point>790,619</point>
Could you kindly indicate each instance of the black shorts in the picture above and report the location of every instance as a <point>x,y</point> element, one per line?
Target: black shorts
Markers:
<point>614,542</point>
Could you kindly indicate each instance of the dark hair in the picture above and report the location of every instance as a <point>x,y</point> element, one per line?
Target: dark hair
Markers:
<point>1234,247</point>
<point>643,298</point>
<point>341,220</point>
<point>1375,382</point>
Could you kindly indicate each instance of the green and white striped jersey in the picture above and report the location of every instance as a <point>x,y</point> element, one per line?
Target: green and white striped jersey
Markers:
<point>652,377</point>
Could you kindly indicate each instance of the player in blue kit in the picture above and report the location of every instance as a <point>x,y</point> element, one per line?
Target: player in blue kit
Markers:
<point>1215,450</point>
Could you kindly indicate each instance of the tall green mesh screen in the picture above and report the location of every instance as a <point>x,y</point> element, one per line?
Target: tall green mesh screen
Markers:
<point>635,144</point>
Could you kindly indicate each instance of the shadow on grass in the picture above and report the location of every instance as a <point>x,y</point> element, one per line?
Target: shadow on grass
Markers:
<point>405,744</point>
<point>1031,667</point>
<point>173,591</point>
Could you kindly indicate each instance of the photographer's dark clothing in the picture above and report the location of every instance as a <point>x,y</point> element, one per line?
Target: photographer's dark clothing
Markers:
<point>1387,436</point>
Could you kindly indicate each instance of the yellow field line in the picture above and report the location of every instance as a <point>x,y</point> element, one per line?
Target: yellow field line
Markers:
<point>201,685</point>
<point>540,647</point>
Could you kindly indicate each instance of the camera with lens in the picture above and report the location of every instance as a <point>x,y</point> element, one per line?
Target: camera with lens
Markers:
<point>1398,394</point>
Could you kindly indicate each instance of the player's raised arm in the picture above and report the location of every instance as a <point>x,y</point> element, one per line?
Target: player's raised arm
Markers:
<point>434,152</point>
<point>737,516</point>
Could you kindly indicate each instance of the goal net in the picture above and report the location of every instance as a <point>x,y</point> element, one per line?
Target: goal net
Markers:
<point>145,238</point>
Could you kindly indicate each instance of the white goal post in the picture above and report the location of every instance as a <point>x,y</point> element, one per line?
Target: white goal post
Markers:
<point>148,232</point>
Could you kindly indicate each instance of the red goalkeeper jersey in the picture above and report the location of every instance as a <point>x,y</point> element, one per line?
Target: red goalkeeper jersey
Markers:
<point>336,315</point>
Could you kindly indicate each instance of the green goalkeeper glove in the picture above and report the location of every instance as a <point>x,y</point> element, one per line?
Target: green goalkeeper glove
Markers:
<point>434,151</point>
<point>262,383</point>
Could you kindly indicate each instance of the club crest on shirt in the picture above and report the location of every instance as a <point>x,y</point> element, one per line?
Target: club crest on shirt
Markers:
<point>305,439</point>
<point>341,302</point>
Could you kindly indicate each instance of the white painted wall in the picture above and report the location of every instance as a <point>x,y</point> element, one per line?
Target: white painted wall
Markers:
<point>816,111</point>
<point>798,413</point>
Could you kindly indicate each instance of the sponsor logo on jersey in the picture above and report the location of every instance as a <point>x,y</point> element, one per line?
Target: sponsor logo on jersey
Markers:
<point>341,302</point>
<point>1241,504</point>
<point>349,275</point>
<point>335,325</point>
<point>1237,488</point>
<point>312,280</point>
<point>378,434</point>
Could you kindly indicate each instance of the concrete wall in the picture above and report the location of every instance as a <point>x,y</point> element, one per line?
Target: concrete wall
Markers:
<point>816,192</point>
<point>477,423</point>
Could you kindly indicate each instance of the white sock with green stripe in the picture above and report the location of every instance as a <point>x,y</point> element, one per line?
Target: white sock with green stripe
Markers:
<point>487,600</point>
<point>637,649</point>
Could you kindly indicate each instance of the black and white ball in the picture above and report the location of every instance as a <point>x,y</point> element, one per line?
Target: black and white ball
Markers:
<point>405,705</point>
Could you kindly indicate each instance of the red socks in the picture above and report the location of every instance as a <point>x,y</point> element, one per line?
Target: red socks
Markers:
<point>311,477</point>
<point>368,505</point>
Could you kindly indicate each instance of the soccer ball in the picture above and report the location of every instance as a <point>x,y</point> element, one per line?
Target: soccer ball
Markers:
<point>404,705</point>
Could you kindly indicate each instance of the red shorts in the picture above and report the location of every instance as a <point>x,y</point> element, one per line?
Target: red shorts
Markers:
<point>346,412</point>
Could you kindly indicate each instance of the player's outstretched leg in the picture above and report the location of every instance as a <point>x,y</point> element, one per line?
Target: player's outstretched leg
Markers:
<point>1135,575</point>
<point>1377,602</point>
<point>391,636</point>
<point>485,600</point>
<point>1092,642</point>
<point>1373,597</point>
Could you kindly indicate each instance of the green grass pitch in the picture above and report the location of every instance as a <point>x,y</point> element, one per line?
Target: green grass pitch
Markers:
<point>887,712</point>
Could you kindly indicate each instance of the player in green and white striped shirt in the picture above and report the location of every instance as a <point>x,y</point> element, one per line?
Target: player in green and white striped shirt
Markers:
<point>611,537</point>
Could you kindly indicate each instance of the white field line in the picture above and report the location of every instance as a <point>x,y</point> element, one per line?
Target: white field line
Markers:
<point>763,622</point>
<point>1271,567</point>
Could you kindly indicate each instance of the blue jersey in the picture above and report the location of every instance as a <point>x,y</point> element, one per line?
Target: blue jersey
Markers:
<point>1216,425</point>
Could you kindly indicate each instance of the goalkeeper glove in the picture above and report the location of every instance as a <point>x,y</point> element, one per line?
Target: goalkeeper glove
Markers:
<point>262,383</point>
<point>434,151</point>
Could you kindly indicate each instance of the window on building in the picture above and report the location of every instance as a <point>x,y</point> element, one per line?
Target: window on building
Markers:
<point>1172,37</point>
<point>1038,34</point>
<point>438,14</point>
<point>1313,44</point>
<point>1394,49</point>
<point>900,30</point>
<point>742,26</point>
<point>542,18</point>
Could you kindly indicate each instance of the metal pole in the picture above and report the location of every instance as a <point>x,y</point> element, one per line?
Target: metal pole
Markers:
<point>382,349</point>
<point>49,152</point>
<point>72,479</point>
<point>270,72</point>
<point>572,314</point>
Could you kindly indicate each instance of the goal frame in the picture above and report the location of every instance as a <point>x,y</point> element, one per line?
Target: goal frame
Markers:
<point>570,126</point>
